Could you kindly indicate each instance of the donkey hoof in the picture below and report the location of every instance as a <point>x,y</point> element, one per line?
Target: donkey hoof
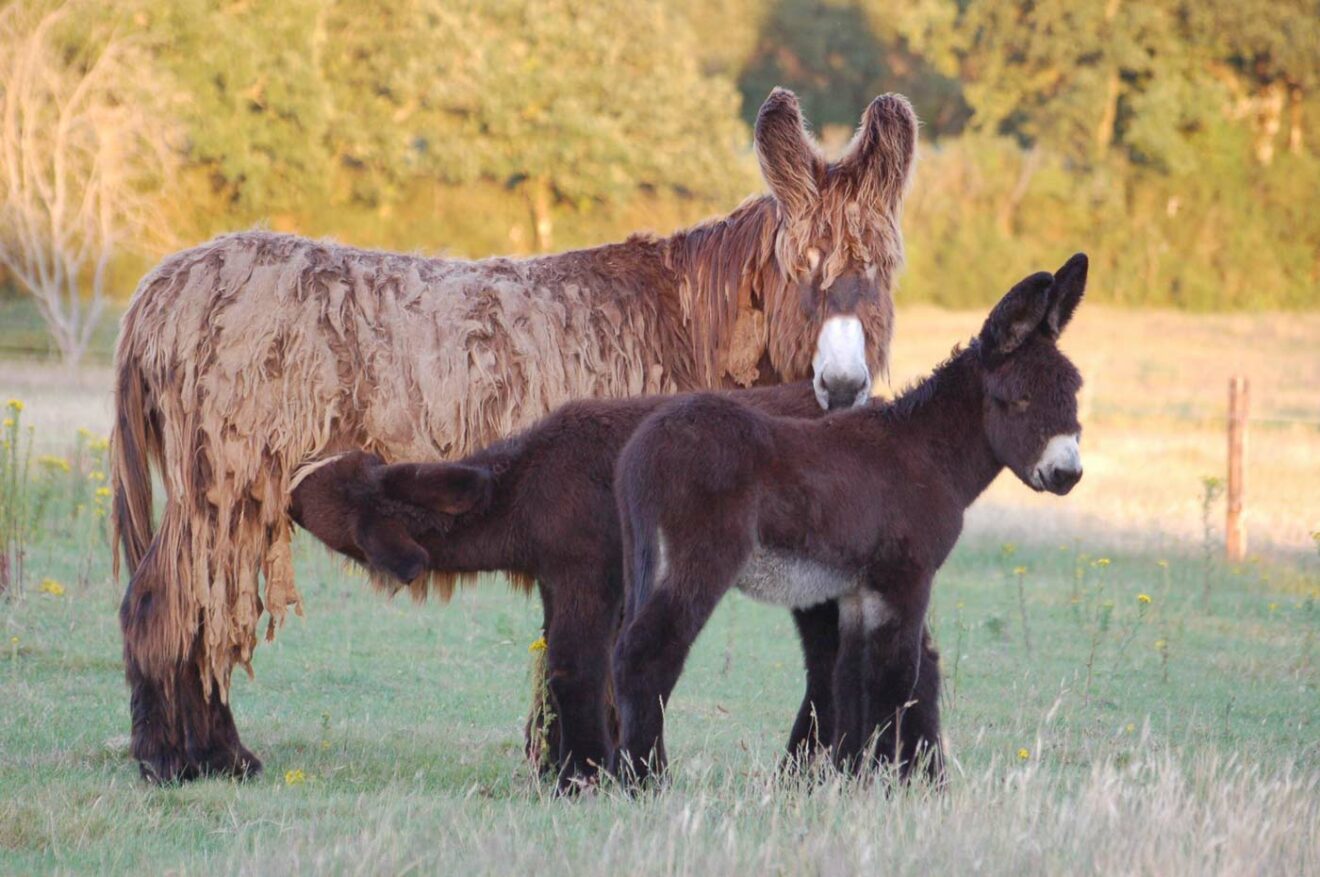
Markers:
<point>166,770</point>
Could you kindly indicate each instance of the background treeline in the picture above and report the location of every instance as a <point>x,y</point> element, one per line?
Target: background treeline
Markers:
<point>1178,141</point>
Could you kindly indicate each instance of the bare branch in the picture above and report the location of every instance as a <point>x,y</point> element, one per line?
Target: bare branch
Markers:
<point>83,159</point>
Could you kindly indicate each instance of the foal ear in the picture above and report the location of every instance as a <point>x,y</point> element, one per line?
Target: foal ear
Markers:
<point>387,545</point>
<point>884,151</point>
<point>789,160</point>
<point>1065,295</point>
<point>450,488</point>
<point>1018,314</point>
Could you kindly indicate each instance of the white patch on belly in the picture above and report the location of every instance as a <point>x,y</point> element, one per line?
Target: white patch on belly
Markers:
<point>784,579</point>
<point>864,610</point>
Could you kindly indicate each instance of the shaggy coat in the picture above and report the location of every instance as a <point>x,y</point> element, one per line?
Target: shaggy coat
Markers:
<point>241,359</point>
<point>862,507</point>
<point>538,506</point>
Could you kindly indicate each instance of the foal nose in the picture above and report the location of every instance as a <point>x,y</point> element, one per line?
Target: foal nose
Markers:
<point>843,392</point>
<point>1061,481</point>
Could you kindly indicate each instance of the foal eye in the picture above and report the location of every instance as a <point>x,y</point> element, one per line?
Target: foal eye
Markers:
<point>1019,405</point>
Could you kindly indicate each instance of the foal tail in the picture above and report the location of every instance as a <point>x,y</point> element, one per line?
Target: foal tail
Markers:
<point>639,523</point>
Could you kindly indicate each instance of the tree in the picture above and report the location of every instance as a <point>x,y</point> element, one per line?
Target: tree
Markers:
<point>81,155</point>
<point>576,102</point>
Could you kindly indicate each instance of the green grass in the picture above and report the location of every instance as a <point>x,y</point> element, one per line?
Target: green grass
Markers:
<point>392,736</point>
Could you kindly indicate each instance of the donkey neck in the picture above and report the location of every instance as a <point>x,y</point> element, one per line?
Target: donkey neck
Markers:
<point>945,414</point>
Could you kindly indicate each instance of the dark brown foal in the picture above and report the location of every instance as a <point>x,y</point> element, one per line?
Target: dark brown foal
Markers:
<point>539,505</point>
<point>860,507</point>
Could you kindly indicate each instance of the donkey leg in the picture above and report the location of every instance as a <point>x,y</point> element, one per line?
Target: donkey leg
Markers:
<point>648,661</point>
<point>210,736</point>
<point>904,701</point>
<point>921,720</point>
<point>852,682</point>
<point>818,630</point>
<point>580,641</point>
<point>157,739</point>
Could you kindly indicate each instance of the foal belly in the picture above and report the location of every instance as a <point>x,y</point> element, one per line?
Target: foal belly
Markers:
<point>784,579</point>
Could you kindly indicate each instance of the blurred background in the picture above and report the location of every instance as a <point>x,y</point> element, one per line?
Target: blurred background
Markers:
<point>1177,142</point>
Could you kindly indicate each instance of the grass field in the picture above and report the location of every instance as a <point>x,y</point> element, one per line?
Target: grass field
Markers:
<point>1179,735</point>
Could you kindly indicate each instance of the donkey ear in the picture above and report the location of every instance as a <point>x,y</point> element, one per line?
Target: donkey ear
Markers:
<point>387,545</point>
<point>789,160</point>
<point>883,152</point>
<point>1066,293</point>
<point>450,488</point>
<point>1018,314</point>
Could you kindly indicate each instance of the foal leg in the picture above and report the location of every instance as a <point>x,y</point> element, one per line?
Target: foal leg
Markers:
<point>852,684</point>
<point>905,701</point>
<point>650,657</point>
<point>578,662</point>
<point>818,629</point>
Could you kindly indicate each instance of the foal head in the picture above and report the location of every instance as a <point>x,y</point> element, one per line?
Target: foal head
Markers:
<point>1030,386</point>
<point>838,247</point>
<point>374,513</point>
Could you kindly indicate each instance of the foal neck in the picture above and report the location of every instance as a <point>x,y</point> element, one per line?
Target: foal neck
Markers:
<point>945,414</point>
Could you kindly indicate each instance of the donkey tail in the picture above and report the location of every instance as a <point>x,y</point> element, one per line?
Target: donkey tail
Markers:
<point>133,439</point>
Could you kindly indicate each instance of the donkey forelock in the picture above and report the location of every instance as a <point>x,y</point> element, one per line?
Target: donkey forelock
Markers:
<point>838,226</point>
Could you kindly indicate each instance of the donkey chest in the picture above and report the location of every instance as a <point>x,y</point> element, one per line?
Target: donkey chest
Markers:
<point>784,579</point>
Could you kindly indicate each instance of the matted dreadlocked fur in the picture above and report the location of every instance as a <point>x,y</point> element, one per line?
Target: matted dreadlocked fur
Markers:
<point>246,357</point>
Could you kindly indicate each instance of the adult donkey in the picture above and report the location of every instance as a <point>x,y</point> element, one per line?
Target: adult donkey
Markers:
<point>861,507</point>
<point>243,358</point>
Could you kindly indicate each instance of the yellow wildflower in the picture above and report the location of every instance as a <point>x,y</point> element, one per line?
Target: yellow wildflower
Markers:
<point>96,475</point>
<point>1130,727</point>
<point>1273,607</point>
<point>15,405</point>
<point>537,646</point>
<point>1019,570</point>
<point>104,492</point>
<point>9,421</point>
<point>84,433</point>
<point>1161,645</point>
<point>1143,599</point>
<point>13,640</point>
<point>52,587</point>
<point>1101,562</point>
<point>1024,753</point>
<point>294,777</point>
<point>53,463</point>
<point>1008,549</point>
<point>99,444</point>
<point>1162,564</point>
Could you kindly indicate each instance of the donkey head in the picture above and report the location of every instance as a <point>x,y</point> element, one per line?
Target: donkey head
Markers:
<point>838,247</point>
<point>374,513</point>
<point>1030,386</point>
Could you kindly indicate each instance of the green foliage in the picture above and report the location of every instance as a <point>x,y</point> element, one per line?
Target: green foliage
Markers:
<point>1175,142</point>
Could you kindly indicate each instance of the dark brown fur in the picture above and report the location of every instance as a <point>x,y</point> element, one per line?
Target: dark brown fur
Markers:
<point>868,502</point>
<point>243,358</point>
<point>539,505</point>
